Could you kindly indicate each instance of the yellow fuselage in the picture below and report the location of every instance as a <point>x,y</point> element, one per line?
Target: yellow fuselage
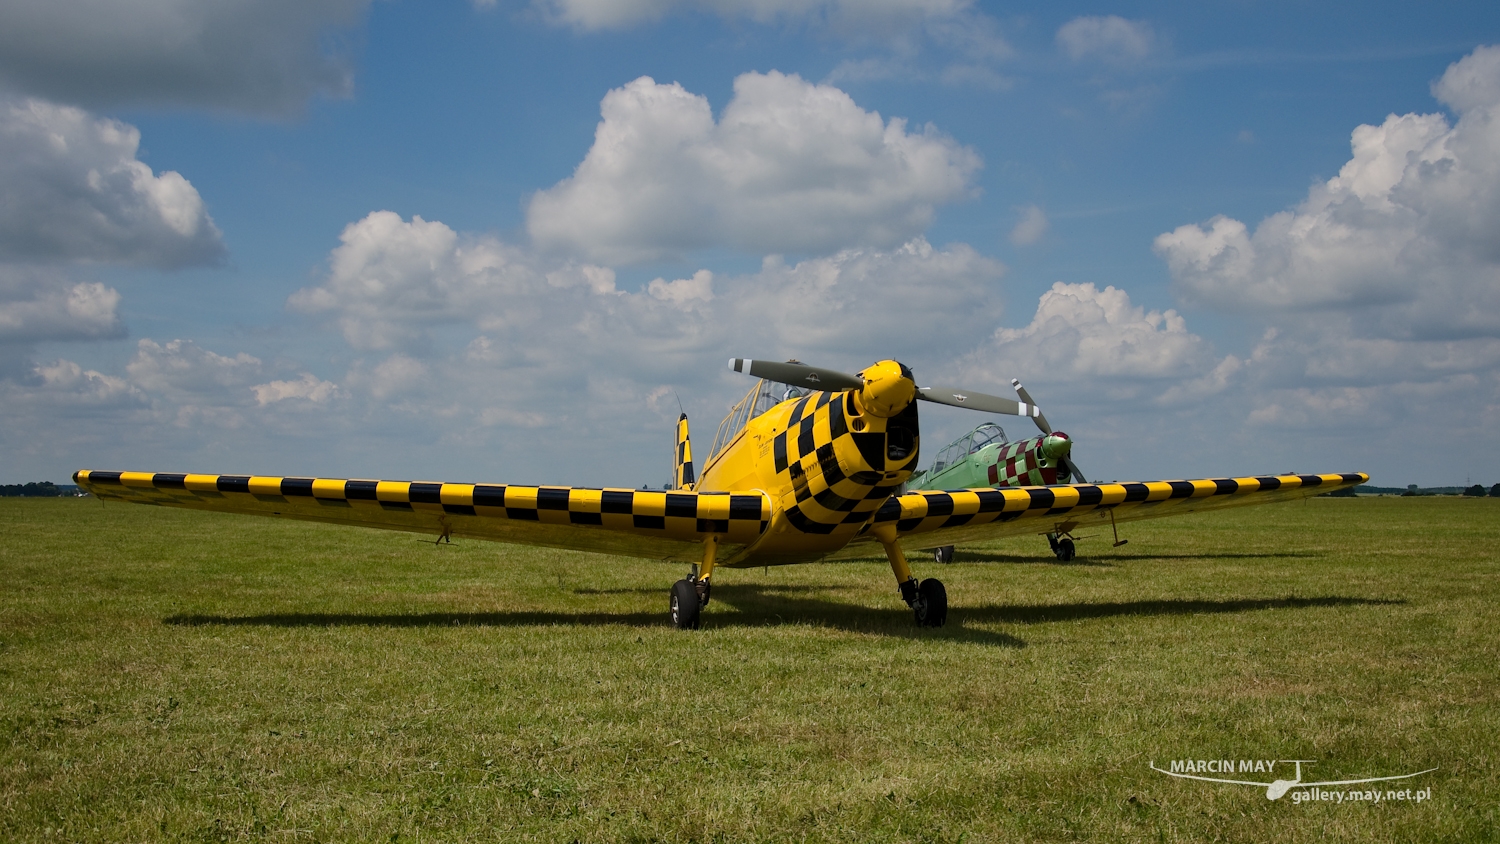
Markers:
<point>828,462</point>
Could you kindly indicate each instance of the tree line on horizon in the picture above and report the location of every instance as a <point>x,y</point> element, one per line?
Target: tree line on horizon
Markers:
<point>39,489</point>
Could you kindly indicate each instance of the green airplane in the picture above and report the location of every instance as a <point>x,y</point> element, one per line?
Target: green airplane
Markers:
<point>986,457</point>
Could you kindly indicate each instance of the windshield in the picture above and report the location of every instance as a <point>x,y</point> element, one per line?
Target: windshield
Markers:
<point>953,452</point>
<point>761,398</point>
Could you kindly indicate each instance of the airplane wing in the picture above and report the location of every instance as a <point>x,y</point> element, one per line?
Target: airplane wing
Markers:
<point>931,518</point>
<point>634,523</point>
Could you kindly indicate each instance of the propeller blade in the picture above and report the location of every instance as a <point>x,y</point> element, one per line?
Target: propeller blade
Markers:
<point>1041,421</point>
<point>954,397</point>
<point>1073,470</point>
<point>797,374</point>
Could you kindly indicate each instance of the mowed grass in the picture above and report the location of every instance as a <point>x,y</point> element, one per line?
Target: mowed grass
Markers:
<point>168,675</point>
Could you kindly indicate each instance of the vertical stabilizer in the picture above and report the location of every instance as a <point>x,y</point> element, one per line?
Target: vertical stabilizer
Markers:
<point>682,464</point>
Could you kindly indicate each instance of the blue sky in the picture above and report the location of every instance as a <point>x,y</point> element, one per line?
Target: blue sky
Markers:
<point>1151,214</point>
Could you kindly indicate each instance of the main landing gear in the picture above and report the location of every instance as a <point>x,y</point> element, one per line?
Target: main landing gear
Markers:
<point>1062,546</point>
<point>690,595</point>
<point>928,599</point>
<point>943,554</point>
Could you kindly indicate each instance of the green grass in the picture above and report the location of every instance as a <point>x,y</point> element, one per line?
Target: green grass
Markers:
<point>189,676</point>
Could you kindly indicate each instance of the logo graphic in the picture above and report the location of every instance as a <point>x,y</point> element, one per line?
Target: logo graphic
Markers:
<point>1189,769</point>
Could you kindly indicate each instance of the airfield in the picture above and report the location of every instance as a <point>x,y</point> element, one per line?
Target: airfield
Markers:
<point>171,675</point>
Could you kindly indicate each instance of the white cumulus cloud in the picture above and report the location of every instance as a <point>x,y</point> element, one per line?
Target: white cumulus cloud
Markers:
<point>66,382</point>
<point>184,366</point>
<point>72,189</point>
<point>266,56</point>
<point>38,304</point>
<point>308,387</point>
<point>1403,239</point>
<point>1081,333</point>
<point>790,166</point>
<point>395,284</point>
<point>684,292</point>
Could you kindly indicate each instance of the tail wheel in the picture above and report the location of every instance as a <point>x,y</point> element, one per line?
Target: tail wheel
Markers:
<point>932,606</point>
<point>685,605</point>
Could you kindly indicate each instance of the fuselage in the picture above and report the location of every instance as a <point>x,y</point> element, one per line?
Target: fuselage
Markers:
<point>827,460</point>
<point>1031,462</point>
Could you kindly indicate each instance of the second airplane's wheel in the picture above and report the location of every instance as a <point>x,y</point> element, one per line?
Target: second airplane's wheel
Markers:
<point>685,605</point>
<point>932,609</point>
<point>1065,550</point>
<point>943,554</point>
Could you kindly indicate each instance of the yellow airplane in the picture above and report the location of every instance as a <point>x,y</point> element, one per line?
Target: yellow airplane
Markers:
<point>808,466</point>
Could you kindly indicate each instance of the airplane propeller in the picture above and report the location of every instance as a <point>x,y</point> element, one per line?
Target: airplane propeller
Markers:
<point>816,378</point>
<point>1041,422</point>
<point>954,397</point>
<point>797,374</point>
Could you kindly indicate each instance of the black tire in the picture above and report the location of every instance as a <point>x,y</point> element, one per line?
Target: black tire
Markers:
<point>933,607</point>
<point>943,554</point>
<point>685,607</point>
<point>1065,550</point>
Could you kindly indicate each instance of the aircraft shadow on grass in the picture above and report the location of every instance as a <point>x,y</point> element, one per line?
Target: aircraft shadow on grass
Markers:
<point>755,605</point>
<point>1104,562</point>
<point>1042,613</point>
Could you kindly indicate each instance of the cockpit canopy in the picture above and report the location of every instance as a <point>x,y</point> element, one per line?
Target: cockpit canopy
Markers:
<point>966,445</point>
<point>761,398</point>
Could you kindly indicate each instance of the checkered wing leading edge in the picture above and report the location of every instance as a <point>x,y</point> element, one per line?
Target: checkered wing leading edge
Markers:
<point>932,518</point>
<point>635,523</point>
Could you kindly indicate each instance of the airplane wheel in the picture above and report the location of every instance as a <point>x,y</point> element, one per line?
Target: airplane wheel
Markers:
<point>685,605</point>
<point>1065,550</point>
<point>943,554</point>
<point>933,608</point>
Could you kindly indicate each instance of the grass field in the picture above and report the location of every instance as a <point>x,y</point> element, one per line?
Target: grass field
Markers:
<point>167,675</point>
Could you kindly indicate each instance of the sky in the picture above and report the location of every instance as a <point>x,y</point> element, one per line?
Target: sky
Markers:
<point>510,241</point>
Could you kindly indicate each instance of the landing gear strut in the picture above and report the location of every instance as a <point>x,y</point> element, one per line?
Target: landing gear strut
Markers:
<point>928,599</point>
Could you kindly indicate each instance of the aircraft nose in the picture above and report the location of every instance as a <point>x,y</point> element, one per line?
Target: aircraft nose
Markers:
<point>1056,445</point>
<point>888,388</point>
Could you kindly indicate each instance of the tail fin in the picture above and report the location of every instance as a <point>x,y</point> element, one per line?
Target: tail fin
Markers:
<point>682,464</point>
